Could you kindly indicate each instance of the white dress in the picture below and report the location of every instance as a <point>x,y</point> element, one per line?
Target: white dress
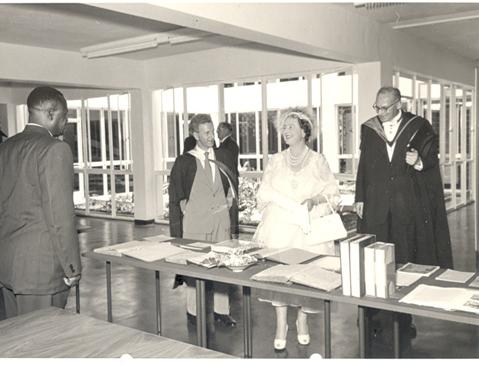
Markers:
<point>279,198</point>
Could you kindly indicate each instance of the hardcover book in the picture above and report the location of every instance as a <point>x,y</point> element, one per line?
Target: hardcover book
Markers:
<point>356,258</point>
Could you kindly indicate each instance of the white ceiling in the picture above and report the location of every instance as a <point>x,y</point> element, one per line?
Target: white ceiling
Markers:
<point>459,36</point>
<point>74,26</point>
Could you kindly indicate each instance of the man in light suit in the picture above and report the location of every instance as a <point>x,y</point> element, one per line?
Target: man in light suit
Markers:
<point>224,131</point>
<point>200,190</point>
<point>39,251</point>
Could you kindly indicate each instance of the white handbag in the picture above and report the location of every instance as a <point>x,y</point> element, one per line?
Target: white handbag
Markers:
<point>326,228</point>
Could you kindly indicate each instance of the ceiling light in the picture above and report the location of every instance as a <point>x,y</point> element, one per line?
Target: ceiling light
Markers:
<point>142,43</point>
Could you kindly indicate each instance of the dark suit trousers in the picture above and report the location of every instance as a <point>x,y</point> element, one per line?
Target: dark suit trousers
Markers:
<point>18,304</point>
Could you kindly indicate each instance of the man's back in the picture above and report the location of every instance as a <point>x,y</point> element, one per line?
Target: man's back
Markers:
<point>36,213</point>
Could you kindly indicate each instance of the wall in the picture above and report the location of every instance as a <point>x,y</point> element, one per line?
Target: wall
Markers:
<point>228,64</point>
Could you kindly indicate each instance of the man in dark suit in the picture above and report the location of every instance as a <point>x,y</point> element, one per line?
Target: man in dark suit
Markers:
<point>224,131</point>
<point>399,192</point>
<point>200,191</point>
<point>39,251</point>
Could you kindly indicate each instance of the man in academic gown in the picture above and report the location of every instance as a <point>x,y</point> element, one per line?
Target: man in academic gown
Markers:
<point>227,142</point>
<point>399,192</point>
<point>200,194</point>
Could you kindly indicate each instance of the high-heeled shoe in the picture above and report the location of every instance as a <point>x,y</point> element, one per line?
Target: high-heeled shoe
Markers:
<point>280,344</point>
<point>303,339</point>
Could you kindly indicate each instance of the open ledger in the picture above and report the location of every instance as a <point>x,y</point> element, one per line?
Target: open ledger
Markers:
<point>310,275</point>
<point>455,299</point>
<point>118,249</point>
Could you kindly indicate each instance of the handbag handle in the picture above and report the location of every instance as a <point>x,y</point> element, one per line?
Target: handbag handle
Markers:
<point>329,204</point>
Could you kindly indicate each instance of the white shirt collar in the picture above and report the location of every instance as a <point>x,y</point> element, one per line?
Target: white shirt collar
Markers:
<point>200,153</point>
<point>226,137</point>
<point>395,120</point>
<point>43,127</point>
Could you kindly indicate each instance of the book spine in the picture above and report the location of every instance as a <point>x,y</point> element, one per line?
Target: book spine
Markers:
<point>345,267</point>
<point>385,271</point>
<point>369,270</point>
<point>357,264</point>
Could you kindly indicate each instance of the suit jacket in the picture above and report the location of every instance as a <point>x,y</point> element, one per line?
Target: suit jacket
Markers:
<point>38,238</point>
<point>410,196</point>
<point>181,181</point>
<point>230,145</point>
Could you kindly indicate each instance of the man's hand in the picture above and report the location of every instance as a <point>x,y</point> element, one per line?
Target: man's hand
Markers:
<point>412,157</point>
<point>183,206</point>
<point>72,281</point>
<point>358,208</point>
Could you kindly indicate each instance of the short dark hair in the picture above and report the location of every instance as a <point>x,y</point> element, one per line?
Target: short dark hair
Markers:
<point>396,93</point>
<point>45,94</point>
<point>199,119</point>
<point>226,126</point>
<point>303,117</point>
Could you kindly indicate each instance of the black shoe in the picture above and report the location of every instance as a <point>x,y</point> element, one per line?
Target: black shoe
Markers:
<point>191,318</point>
<point>225,319</point>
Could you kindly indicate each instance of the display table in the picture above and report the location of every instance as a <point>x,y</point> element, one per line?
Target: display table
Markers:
<point>243,280</point>
<point>56,333</point>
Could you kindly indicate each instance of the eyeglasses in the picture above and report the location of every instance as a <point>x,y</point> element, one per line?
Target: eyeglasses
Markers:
<point>384,109</point>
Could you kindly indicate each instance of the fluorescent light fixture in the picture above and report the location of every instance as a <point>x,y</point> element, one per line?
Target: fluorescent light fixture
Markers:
<point>142,43</point>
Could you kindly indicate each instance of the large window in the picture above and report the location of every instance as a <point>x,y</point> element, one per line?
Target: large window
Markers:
<point>253,108</point>
<point>99,134</point>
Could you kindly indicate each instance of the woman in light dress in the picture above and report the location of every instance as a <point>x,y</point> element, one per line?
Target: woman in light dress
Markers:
<point>295,176</point>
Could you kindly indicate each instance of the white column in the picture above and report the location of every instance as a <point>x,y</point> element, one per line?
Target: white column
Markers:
<point>144,186</point>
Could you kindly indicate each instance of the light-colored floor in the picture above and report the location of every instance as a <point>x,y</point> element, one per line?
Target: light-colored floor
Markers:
<point>134,303</point>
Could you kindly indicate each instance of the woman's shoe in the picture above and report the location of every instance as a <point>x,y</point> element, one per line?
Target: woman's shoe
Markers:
<point>280,344</point>
<point>303,339</point>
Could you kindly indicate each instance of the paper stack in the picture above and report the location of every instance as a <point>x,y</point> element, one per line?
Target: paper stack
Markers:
<point>455,276</point>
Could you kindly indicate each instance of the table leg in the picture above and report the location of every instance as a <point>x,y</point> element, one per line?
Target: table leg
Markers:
<point>108,292</point>
<point>201,313</point>
<point>396,336</point>
<point>77,297</point>
<point>327,329</point>
<point>362,331</point>
<point>158,303</point>
<point>247,327</point>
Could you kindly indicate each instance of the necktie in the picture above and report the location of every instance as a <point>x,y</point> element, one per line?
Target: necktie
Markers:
<point>208,171</point>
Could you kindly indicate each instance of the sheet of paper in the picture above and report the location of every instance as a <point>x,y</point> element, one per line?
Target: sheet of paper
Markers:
<point>319,278</point>
<point>116,250</point>
<point>158,238</point>
<point>153,252</point>
<point>455,276</point>
<point>332,263</point>
<point>475,282</point>
<point>406,279</point>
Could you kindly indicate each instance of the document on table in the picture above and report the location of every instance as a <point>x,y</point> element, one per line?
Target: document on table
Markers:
<point>410,273</point>
<point>459,299</point>
<point>455,276</point>
<point>475,282</point>
<point>182,258</point>
<point>153,252</point>
<point>116,250</point>
<point>158,238</point>
<point>317,277</point>
<point>292,256</point>
<point>332,263</point>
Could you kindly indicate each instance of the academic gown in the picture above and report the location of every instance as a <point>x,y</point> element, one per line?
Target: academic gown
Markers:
<point>409,196</point>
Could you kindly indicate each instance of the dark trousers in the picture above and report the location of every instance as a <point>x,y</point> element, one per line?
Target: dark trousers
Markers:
<point>18,304</point>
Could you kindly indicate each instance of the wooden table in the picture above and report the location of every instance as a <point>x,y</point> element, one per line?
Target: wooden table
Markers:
<point>56,333</point>
<point>243,280</point>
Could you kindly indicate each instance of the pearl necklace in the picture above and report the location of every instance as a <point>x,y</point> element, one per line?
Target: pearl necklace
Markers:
<point>296,161</point>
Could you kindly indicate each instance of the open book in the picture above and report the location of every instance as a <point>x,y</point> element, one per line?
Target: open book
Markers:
<point>154,252</point>
<point>117,250</point>
<point>310,275</point>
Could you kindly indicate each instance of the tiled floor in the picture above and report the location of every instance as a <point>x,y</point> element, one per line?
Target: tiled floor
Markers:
<point>134,304</point>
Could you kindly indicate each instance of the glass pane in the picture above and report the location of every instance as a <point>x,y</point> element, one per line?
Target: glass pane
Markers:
<point>242,103</point>
<point>78,192</point>
<point>99,193</point>
<point>248,213</point>
<point>124,195</point>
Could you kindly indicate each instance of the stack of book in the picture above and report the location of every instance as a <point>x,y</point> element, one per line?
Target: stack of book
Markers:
<point>380,269</point>
<point>352,264</point>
